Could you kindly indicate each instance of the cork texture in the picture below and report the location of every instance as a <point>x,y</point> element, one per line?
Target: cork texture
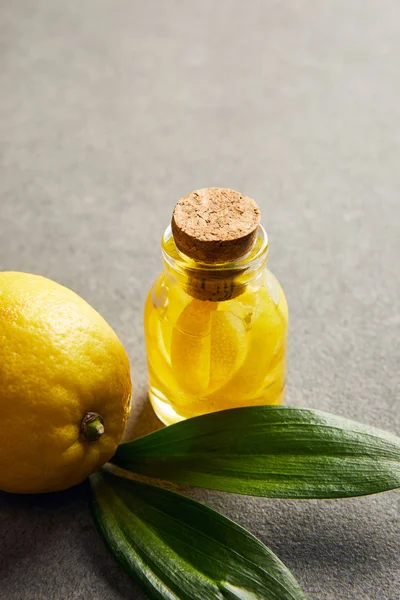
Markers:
<point>215,225</point>
<point>214,285</point>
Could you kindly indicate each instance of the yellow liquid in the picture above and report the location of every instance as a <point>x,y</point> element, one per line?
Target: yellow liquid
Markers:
<point>207,356</point>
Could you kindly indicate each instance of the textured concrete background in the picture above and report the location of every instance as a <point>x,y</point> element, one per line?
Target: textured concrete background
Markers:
<point>110,110</point>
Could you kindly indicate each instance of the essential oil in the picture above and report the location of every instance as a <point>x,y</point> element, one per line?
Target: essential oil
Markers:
<point>216,318</point>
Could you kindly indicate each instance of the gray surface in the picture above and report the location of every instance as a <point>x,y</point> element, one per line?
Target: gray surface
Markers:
<point>109,112</point>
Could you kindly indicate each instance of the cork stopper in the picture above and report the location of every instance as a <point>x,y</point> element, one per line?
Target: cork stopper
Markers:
<point>215,225</point>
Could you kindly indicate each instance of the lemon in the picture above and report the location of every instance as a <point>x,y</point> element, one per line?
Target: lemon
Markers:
<point>261,376</point>
<point>65,386</point>
<point>169,299</point>
<point>208,346</point>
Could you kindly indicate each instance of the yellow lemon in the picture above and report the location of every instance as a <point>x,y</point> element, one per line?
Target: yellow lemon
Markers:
<point>65,386</point>
<point>208,346</point>
<point>261,378</point>
<point>166,300</point>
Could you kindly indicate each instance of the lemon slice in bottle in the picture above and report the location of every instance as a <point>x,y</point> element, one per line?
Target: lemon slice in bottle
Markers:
<point>175,302</point>
<point>208,347</point>
<point>263,367</point>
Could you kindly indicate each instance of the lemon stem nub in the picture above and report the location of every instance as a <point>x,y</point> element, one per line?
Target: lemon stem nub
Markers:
<point>92,427</point>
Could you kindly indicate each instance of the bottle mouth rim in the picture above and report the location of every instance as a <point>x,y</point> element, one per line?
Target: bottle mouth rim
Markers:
<point>182,263</point>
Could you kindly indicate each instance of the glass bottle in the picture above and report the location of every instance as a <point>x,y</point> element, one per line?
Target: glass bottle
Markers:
<point>215,333</point>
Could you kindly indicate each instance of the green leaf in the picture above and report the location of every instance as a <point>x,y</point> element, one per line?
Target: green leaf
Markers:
<point>180,549</point>
<point>269,451</point>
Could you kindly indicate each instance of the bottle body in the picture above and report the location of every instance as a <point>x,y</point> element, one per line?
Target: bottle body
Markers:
<point>215,337</point>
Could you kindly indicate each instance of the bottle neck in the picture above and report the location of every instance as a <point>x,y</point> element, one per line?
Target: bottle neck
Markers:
<point>215,282</point>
